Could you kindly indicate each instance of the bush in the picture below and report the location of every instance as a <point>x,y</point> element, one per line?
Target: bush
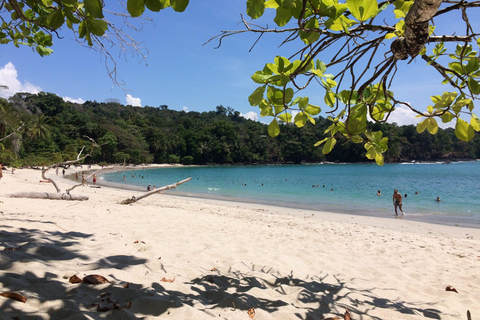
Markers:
<point>120,157</point>
<point>173,158</point>
<point>7,157</point>
<point>187,160</point>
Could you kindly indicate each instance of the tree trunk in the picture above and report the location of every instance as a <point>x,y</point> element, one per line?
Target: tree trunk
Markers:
<point>416,29</point>
<point>48,195</point>
<point>149,193</point>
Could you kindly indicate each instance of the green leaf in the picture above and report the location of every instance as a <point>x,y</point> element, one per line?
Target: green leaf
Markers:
<point>329,98</point>
<point>71,17</point>
<point>472,65</point>
<point>255,8</point>
<point>94,8</point>
<point>356,139</point>
<point>445,100</point>
<point>475,122</point>
<point>303,103</point>
<point>285,117</point>
<point>320,142</point>
<point>288,95</point>
<point>313,110</point>
<point>273,128</point>
<point>300,119</point>
<point>362,10</point>
<point>457,67</point>
<point>474,86</point>
<point>283,16</point>
<point>340,24</point>
<point>55,19</point>
<point>256,97</point>
<point>379,159</point>
<point>432,125</point>
<point>421,126</point>
<point>329,145</point>
<point>463,130</point>
<point>390,35</point>
<point>97,27</point>
<point>179,5</point>
<point>135,7</point>
<point>344,96</point>
<point>153,5</point>
<point>310,36</point>
<point>447,117</point>
<point>271,4</point>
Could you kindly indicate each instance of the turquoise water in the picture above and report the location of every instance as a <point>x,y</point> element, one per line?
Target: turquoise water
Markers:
<point>343,188</point>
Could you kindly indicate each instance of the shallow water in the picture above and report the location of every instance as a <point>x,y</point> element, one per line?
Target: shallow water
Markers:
<point>343,188</point>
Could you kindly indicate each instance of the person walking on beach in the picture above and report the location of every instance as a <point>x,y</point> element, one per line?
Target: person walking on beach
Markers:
<point>94,179</point>
<point>397,201</point>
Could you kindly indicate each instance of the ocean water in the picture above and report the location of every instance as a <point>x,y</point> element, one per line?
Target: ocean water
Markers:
<point>342,188</point>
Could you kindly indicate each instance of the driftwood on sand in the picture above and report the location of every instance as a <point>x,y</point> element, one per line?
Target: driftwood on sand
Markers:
<point>49,195</point>
<point>170,186</point>
<point>59,195</point>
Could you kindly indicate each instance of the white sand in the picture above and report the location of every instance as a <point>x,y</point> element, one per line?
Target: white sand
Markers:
<point>225,258</point>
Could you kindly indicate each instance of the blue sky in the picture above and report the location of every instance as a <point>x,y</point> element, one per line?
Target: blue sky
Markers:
<point>180,71</point>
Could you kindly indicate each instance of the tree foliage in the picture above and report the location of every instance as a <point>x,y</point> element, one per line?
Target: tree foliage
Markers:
<point>339,45</point>
<point>143,135</point>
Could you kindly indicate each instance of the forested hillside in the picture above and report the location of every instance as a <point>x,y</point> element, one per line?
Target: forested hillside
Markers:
<point>54,130</point>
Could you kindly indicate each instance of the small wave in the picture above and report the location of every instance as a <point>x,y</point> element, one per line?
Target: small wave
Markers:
<point>213,189</point>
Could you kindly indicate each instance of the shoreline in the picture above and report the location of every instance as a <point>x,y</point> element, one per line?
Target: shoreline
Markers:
<point>172,257</point>
<point>330,208</point>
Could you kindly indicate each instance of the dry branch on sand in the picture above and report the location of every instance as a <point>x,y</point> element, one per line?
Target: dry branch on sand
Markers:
<point>59,195</point>
<point>170,186</point>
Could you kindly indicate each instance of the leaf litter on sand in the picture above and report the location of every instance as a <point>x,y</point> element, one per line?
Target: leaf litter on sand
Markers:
<point>90,279</point>
<point>14,296</point>
<point>167,280</point>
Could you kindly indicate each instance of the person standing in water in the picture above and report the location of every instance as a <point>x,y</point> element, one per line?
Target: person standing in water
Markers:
<point>397,201</point>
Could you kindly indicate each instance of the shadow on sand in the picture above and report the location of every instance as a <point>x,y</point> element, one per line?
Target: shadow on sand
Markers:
<point>214,293</point>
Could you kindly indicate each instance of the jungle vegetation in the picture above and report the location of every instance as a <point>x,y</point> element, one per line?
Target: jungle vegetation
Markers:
<point>52,130</point>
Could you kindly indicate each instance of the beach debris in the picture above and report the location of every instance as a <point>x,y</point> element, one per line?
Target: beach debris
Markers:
<point>134,199</point>
<point>14,248</point>
<point>108,304</point>
<point>126,285</point>
<point>95,279</point>
<point>14,296</point>
<point>90,279</point>
<point>346,316</point>
<point>74,279</point>
<point>210,279</point>
<point>450,288</point>
<point>251,313</point>
<point>167,280</point>
<point>139,241</point>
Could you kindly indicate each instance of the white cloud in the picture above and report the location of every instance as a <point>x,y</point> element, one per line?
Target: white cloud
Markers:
<point>79,100</point>
<point>250,115</point>
<point>185,109</point>
<point>9,78</point>
<point>136,102</point>
<point>404,116</point>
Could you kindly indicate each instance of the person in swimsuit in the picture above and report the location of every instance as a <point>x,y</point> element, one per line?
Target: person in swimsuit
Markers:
<point>397,201</point>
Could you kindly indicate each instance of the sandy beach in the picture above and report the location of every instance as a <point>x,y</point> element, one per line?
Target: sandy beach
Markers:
<point>171,257</point>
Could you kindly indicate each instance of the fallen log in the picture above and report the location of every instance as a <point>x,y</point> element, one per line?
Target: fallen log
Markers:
<point>48,195</point>
<point>170,186</point>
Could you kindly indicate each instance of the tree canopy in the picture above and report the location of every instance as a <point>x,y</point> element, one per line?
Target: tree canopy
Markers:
<point>353,50</point>
<point>58,131</point>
